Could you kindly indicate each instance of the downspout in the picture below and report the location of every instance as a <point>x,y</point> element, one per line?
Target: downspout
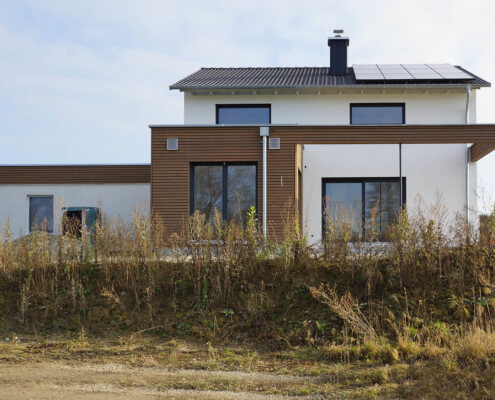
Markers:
<point>468,98</point>
<point>264,133</point>
<point>400,177</point>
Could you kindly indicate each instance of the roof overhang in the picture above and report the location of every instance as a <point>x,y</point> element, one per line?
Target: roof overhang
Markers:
<point>333,87</point>
<point>351,89</point>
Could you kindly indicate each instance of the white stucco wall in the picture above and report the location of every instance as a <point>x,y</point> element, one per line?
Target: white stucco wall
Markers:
<point>434,107</point>
<point>433,172</point>
<point>114,200</point>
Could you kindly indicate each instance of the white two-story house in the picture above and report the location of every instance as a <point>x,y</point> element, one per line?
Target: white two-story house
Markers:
<point>423,105</point>
<point>364,137</point>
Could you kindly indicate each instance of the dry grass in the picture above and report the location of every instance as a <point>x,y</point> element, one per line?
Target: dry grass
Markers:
<point>424,301</point>
<point>347,308</point>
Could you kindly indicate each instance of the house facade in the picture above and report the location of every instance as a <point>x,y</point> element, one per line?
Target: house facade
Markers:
<point>367,138</point>
<point>31,194</point>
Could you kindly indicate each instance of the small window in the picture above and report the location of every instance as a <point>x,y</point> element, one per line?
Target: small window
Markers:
<point>229,189</point>
<point>378,114</point>
<point>243,114</point>
<point>41,213</point>
<point>363,202</point>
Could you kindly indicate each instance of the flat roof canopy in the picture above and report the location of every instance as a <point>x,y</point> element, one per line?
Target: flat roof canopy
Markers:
<point>481,136</point>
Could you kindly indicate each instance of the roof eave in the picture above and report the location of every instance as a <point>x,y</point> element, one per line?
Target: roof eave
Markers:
<point>334,87</point>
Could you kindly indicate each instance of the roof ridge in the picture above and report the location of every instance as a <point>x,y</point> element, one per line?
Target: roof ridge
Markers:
<point>314,67</point>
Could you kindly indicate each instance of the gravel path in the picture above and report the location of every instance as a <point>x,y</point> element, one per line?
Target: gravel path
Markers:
<point>54,380</point>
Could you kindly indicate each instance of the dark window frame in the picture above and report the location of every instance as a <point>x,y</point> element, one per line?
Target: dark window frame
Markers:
<point>251,105</point>
<point>363,195</point>
<point>36,196</point>
<point>224,166</point>
<point>402,105</point>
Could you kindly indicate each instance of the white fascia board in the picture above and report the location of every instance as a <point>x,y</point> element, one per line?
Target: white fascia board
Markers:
<point>320,90</point>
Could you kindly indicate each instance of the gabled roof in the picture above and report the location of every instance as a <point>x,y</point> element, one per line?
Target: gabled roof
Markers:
<point>297,78</point>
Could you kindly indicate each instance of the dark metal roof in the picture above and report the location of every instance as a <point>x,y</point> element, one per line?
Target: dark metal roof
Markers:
<point>293,78</point>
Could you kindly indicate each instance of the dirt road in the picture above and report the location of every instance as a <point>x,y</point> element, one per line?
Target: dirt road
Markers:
<point>56,380</point>
<point>152,368</point>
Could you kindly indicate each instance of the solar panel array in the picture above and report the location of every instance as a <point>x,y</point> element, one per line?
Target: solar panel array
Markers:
<point>405,72</point>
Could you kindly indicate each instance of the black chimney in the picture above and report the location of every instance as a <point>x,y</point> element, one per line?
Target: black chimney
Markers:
<point>338,53</point>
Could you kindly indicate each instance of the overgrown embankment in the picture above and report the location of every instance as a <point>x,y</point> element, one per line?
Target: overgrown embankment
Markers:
<point>426,295</point>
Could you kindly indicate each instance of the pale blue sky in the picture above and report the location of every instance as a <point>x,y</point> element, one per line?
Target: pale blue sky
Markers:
<point>81,81</point>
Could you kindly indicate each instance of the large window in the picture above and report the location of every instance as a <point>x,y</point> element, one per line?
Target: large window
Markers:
<point>227,188</point>
<point>369,204</point>
<point>243,114</point>
<point>378,113</point>
<point>41,213</point>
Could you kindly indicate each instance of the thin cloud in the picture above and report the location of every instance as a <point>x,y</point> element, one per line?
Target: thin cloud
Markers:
<point>81,81</point>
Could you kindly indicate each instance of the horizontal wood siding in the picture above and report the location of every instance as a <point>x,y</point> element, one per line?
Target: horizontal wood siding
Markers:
<point>171,169</point>
<point>480,150</point>
<point>170,172</point>
<point>73,174</point>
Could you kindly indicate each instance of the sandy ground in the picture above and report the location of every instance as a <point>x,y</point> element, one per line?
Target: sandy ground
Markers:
<point>58,380</point>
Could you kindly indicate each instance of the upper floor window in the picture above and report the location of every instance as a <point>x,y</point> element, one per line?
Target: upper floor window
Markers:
<point>243,114</point>
<point>378,113</point>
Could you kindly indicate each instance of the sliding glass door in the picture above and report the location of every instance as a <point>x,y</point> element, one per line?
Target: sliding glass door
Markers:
<point>227,188</point>
<point>365,203</point>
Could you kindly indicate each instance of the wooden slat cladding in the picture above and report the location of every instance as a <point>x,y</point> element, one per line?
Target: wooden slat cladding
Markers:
<point>171,169</point>
<point>480,150</point>
<point>74,174</point>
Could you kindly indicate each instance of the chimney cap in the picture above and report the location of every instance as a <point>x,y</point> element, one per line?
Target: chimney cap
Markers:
<point>337,36</point>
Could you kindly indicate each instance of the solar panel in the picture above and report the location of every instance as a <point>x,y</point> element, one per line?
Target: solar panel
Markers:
<point>365,67</point>
<point>389,66</point>
<point>370,77</point>
<point>422,72</point>
<point>408,72</point>
<point>374,66</point>
<point>414,66</point>
<point>393,70</point>
<point>397,76</point>
<point>441,66</point>
<point>418,69</point>
<point>456,75</point>
<point>449,71</point>
<point>366,72</point>
<point>425,75</point>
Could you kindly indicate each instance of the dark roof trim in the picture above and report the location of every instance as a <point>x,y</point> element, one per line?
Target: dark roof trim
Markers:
<point>351,127</point>
<point>74,174</point>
